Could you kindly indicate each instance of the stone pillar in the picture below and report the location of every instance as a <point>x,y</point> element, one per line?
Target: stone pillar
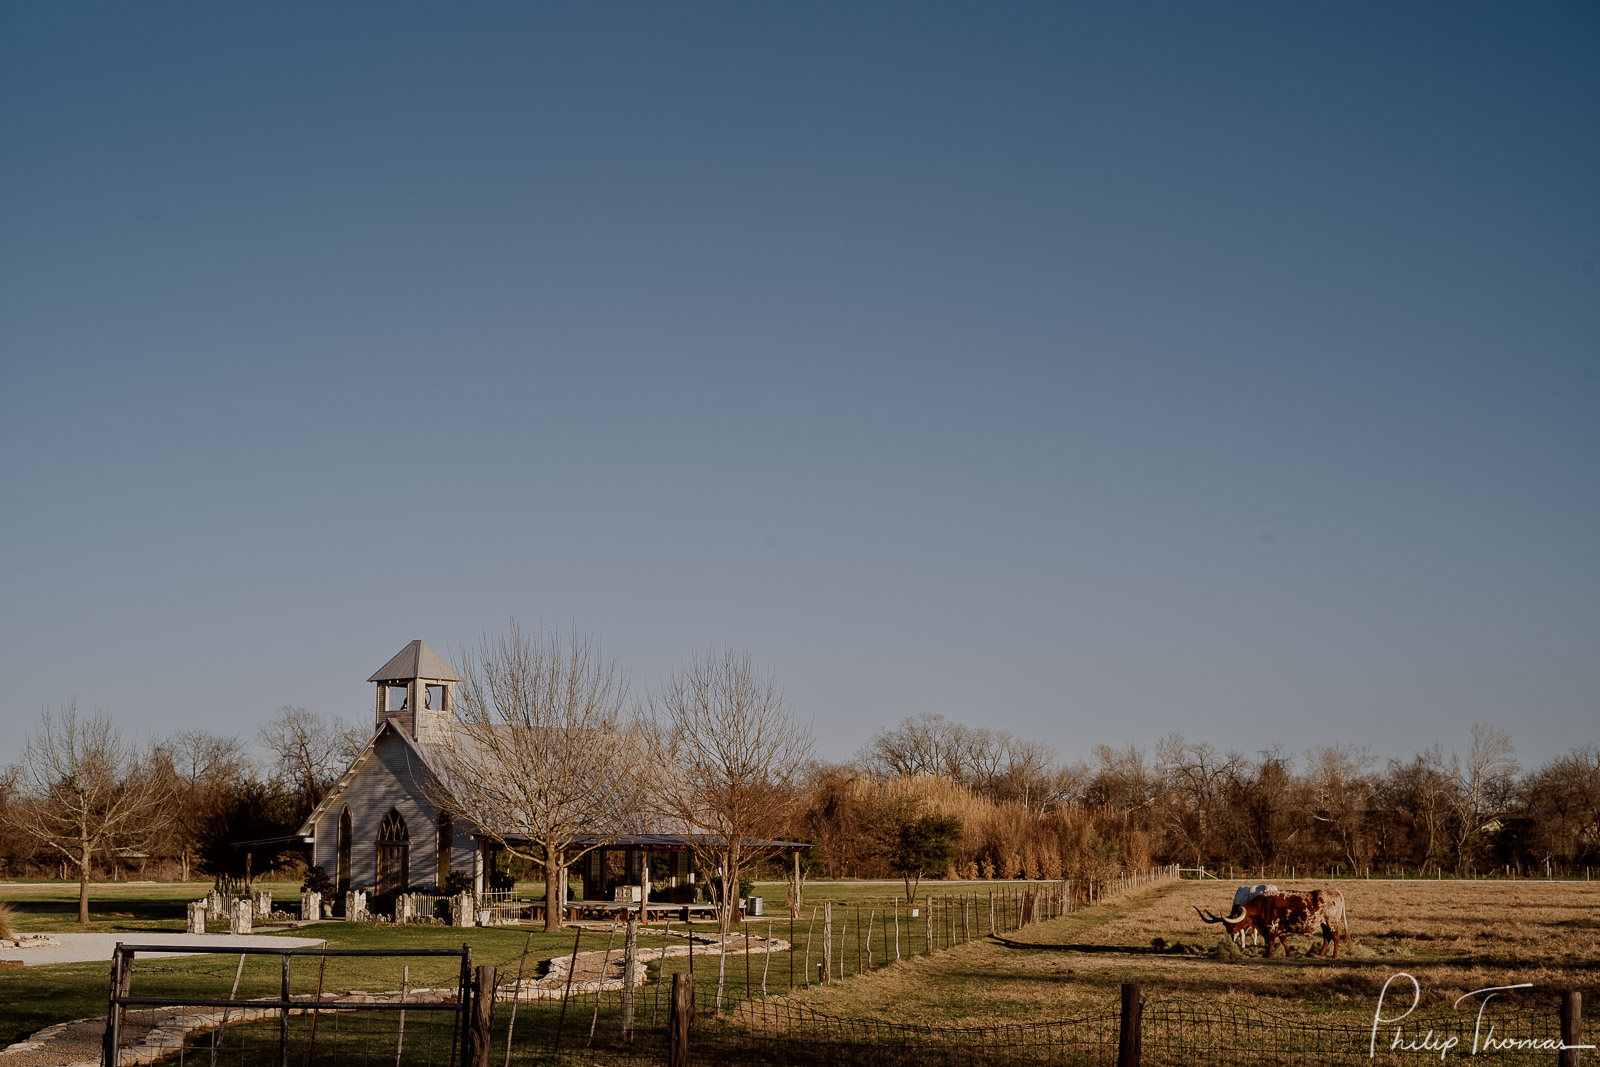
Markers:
<point>310,906</point>
<point>262,901</point>
<point>239,921</point>
<point>462,910</point>
<point>355,906</point>
<point>405,908</point>
<point>197,916</point>
<point>215,908</point>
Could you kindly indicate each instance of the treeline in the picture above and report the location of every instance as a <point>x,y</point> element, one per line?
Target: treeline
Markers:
<point>84,804</point>
<point>1337,809</point>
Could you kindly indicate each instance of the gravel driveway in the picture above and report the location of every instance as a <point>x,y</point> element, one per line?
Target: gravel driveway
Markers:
<point>78,948</point>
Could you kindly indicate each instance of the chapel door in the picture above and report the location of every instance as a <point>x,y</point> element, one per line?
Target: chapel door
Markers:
<point>394,854</point>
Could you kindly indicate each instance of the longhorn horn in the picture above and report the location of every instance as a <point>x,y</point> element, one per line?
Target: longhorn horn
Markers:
<point>1205,916</point>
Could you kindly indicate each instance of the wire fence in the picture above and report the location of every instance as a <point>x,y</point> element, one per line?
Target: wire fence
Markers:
<point>608,999</point>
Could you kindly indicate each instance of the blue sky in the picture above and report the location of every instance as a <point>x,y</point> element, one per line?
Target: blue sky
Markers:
<point>1087,371</point>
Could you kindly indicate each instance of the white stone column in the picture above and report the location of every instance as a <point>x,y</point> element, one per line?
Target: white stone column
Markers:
<point>197,916</point>
<point>310,906</point>
<point>239,921</point>
<point>262,900</point>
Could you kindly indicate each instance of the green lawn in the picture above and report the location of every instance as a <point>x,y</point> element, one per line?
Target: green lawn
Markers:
<point>35,997</point>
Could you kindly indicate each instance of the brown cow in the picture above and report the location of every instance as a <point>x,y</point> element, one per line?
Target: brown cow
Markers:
<point>1279,914</point>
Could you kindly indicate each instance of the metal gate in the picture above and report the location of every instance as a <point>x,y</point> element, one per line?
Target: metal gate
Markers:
<point>283,1026</point>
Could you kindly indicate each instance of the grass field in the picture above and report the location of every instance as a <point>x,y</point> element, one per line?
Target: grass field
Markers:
<point>1453,936</point>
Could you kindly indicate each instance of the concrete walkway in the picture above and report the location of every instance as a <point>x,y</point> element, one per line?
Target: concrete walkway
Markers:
<point>80,948</point>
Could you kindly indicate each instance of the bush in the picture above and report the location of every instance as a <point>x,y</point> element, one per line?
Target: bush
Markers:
<point>317,881</point>
<point>8,922</point>
<point>457,882</point>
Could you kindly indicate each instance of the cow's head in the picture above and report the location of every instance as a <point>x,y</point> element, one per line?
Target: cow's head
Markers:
<point>1239,920</point>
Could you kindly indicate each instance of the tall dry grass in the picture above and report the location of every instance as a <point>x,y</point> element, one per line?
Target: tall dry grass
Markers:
<point>8,922</point>
<point>1003,839</point>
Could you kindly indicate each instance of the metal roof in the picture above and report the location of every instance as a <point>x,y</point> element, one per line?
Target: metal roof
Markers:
<point>666,842</point>
<point>416,660</point>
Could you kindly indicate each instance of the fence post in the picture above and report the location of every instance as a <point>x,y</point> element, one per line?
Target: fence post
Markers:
<point>678,1025</point>
<point>630,950</point>
<point>1132,1026</point>
<point>283,1018</point>
<point>827,943</point>
<point>1571,1027</point>
<point>113,1034</point>
<point>481,1028</point>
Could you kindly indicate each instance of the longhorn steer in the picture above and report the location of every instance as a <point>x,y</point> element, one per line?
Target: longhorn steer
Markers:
<point>1279,914</point>
<point>1240,896</point>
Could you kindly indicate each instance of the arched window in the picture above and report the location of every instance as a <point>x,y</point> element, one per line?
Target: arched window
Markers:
<point>394,854</point>
<point>344,852</point>
<point>442,844</point>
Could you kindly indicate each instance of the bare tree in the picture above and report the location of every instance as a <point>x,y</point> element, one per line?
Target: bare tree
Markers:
<point>541,756</point>
<point>1339,794</point>
<point>85,791</point>
<point>203,767</point>
<point>732,757</point>
<point>924,744</point>
<point>310,750</point>
<point>1484,787</point>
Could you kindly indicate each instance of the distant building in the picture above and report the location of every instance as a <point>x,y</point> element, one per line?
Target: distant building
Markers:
<point>381,827</point>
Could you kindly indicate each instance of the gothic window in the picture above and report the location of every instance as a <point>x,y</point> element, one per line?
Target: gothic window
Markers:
<point>445,837</point>
<point>344,852</point>
<point>394,854</point>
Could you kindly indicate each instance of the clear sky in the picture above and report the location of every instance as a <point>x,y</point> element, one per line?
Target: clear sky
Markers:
<point>1087,371</point>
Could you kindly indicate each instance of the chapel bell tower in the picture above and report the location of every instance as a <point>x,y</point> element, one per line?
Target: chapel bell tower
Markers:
<point>417,690</point>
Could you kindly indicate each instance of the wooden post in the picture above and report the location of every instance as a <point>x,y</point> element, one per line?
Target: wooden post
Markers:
<point>661,969</point>
<point>927,932</point>
<point>572,965</point>
<point>678,1024</point>
<point>1571,1027</point>
<point>630,952</point>
<point>516,995</point>
<point>481,1028</point>
<point>216,1034</point>
<point>1128,1037</point>
<point>827,942</point>
<point>283,1018</point>
<point>400,1036</point>
<point>794,908</point>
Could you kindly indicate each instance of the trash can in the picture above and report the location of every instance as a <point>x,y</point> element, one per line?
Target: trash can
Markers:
<point>753,906</point>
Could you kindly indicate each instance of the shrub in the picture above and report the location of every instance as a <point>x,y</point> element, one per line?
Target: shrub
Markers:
<point>457,882</point>
<point>317,881</point>
<point>8,922</point>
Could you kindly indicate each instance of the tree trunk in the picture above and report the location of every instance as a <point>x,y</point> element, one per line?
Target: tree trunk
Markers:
<point>84,861</point>
<point>552,889</point>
